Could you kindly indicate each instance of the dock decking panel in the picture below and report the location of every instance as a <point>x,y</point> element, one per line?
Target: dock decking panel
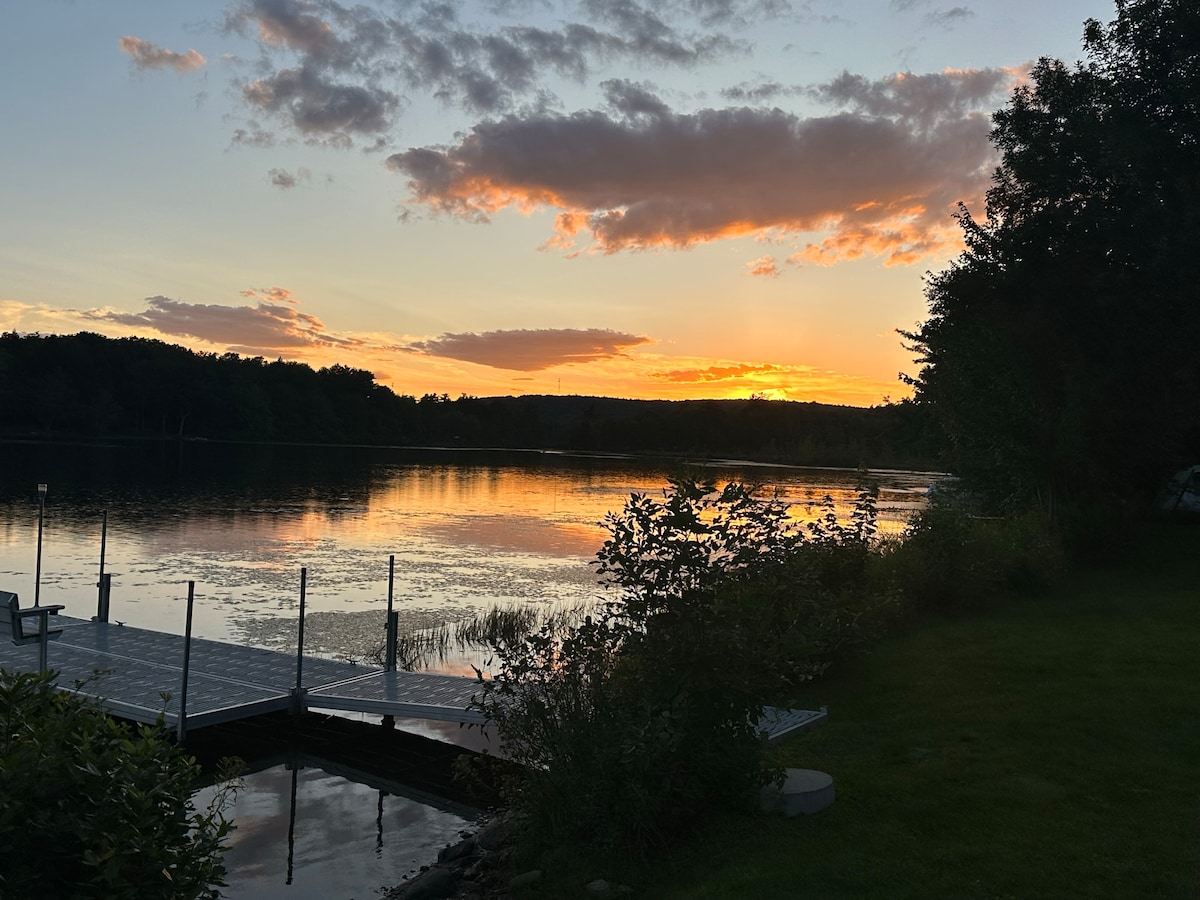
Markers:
<point>249,665</point>
<point>777,724</point>
<point>133,688</point>
<point>418,695</point>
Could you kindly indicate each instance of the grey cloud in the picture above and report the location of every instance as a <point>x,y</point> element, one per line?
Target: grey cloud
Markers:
<point>285,180</point>
<point>757,93</point>
<point>146,55</point>
<point>884,177</point>
<point>632,100</point>
<point>648,35</point>
<point>314,104</point>
<point>263,327</point>
<point>943,18</point>
<point>530,350</point>
<point>253,136</point>
<point>725,12</point>
<point>947,18</point>
<point>921,99</point>
<point>346,66</point>
<point>288,23</point>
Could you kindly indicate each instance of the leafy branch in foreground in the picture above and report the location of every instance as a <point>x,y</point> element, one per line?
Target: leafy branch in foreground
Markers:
<point>90,808</point>
<point>638,722</point>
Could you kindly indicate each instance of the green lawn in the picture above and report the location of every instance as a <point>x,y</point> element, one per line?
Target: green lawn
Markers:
<point>1050,748</point>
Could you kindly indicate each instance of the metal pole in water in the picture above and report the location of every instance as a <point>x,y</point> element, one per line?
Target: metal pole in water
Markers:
<point>181,729</point>
<point>299,694</point>
<point>292,825</point>
<point>101,612</point>
<point>37,579</point>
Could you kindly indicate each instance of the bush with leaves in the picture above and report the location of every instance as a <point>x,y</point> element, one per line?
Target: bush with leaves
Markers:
<point>91,808</point>
<point>950,558</point>
<point>636,723</point>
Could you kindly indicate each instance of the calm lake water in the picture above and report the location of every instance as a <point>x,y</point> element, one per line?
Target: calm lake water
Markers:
<point>469,530</point>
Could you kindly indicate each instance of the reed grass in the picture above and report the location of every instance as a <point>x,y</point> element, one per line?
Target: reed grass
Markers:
<point>498,626</point>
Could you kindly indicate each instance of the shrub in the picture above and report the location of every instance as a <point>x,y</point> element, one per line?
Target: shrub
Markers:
<point>90,808</point>
<point>950,558</point>
<point>636,723</point>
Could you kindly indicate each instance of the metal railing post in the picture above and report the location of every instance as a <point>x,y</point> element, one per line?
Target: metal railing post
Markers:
<point>37,578</point>
<point>181,727</point>
<point>298,696</point>
<point>43,640</point>
<point>101,598</point>
<point>393,618</point>
<point>102,607</point>
<point>393,628</point>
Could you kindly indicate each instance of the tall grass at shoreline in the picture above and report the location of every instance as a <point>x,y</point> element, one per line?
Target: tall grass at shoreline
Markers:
<point>500,625</point>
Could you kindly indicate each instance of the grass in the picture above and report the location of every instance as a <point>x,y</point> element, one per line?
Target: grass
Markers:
<point>1049,748</point>
<point>423,648</point>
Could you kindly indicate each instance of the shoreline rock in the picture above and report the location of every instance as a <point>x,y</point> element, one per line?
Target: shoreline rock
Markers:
<point>475,868</point>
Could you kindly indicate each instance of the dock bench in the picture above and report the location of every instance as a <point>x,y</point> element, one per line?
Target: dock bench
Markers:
<point>28,626</point>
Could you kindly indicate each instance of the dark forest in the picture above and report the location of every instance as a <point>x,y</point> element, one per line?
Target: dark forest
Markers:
<point>87,385</point>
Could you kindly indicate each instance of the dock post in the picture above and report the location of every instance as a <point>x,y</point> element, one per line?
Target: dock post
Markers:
<point>393,618</point>
<point>37,579</point>
<point>298,696</point>
<point>43,641</point>
<point>181,728</point>
<point>105,597</point>
<point>393,626</point>
<point>101,598</point>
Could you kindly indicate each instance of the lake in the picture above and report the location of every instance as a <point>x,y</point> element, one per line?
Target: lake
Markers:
<point>469,529</point>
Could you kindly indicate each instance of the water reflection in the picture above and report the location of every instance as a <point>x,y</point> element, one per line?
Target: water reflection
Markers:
<point>304,832</point>
<point>469,529</point>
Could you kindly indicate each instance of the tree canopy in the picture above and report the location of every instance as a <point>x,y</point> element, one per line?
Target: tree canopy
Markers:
<point>1062,347</point>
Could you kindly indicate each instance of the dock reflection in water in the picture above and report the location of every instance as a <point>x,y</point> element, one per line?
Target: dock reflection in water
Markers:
<point>304,832</point>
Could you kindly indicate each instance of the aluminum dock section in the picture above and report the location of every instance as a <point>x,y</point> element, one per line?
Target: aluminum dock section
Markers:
<point>138,674</point>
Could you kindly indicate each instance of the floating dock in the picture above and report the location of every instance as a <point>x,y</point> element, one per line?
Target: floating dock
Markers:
<point>189,682</point>
<point>138,674</point>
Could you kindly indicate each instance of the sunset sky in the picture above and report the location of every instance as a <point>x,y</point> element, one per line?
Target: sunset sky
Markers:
<point>689,198</point>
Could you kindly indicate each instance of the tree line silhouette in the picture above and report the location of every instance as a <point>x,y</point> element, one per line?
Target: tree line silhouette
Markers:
<point>89,385</point>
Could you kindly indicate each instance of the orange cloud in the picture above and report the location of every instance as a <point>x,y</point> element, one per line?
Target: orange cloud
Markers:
<point>529,350</point>
<point>764,266</point>
<point>146,55</point>
<point>718,373</point>
<point>271,295</point>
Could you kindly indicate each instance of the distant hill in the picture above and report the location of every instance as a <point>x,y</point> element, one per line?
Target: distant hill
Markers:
<point>89,385</point>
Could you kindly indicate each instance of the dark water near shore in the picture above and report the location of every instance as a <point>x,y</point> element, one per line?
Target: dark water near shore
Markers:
<point>469,530</point>
<point>306,834</point>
